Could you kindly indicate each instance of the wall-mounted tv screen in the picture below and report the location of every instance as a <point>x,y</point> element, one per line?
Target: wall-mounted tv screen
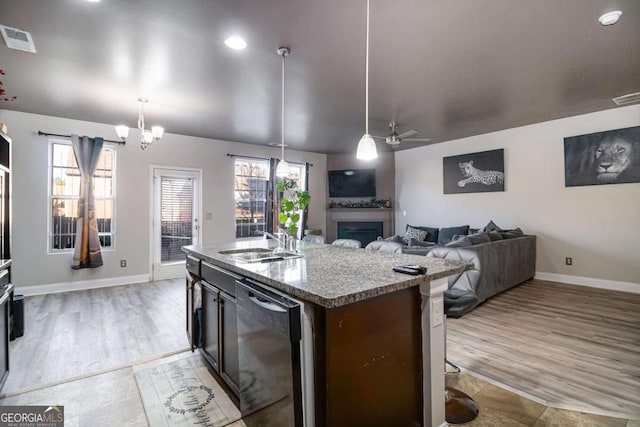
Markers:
<point>352,183</point>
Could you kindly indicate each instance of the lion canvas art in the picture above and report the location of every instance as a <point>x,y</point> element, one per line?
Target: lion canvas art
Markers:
<point>609,157</point>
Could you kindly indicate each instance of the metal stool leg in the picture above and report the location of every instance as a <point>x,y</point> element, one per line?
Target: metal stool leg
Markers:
<point>459,408</point>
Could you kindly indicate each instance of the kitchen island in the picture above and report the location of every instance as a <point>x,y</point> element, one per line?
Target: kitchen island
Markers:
<point>376,336</point>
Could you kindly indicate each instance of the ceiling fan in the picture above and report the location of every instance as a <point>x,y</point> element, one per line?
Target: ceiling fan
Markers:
<point>394,138</point>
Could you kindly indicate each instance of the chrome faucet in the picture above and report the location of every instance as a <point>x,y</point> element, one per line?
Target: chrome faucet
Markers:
<point>266,233</point>
<point>282,242</point>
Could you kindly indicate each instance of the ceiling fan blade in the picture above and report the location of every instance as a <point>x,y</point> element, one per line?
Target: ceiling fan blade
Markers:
<point>416,139</point>
<point>407,133</point>
<point>379,137</point>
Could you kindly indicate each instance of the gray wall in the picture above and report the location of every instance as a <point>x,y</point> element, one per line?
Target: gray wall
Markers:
<point>31,263</point>
<point>598,226</point>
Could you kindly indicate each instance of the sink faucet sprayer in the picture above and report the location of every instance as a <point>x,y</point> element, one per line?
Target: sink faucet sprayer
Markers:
<point>280,249</point>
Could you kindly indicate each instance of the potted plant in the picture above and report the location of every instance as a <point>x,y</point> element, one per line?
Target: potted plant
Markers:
<point>292,202</point>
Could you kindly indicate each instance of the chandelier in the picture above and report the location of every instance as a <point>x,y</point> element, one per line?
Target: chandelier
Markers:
<point>146,136</point>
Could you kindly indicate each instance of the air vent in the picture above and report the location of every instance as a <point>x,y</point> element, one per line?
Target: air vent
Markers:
<point>17,39</point>
<point>630,98</point>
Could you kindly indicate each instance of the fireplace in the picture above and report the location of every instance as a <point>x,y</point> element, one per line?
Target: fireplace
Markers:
<point>365,232</point>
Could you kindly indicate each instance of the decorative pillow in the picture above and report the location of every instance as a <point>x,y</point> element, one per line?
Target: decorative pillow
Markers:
<point>495,235</point>
<point>413,233</point>
<point>474,231</point>
<point>460,243</point>
<point>415,242</point>
<point>432,233</point>
<point>479,238</point>
<point>492,227</point>
<point>446,234</point>
<point>510,234</point>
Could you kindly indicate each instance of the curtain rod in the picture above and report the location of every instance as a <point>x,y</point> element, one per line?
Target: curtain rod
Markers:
<point>261,158</point>
<point>69,136</point>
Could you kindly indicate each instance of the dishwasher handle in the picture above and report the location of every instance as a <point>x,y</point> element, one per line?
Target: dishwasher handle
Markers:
<point>264,303</point>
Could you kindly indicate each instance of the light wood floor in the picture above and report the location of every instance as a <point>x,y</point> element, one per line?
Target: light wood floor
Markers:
<point>75,333</point>
<point>569,347</point>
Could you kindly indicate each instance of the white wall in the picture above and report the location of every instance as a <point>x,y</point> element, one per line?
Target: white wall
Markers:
<point>598,226</point>
<point>32,265</point>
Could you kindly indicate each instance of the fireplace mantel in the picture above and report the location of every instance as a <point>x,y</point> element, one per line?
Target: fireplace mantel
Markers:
<point>335,215</point>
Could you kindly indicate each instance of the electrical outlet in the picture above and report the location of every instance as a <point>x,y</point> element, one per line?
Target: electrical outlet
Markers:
<point>568,261</point>
<point>123,263</point>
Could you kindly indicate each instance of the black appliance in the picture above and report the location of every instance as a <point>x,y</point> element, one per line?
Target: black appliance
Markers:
<point>269,334</point>
<point>352,183</point>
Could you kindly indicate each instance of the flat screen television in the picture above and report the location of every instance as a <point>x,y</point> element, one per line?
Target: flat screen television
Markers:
<point>352,183</point>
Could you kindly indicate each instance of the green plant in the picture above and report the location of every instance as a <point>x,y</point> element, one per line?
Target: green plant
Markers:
<point>290,207</point>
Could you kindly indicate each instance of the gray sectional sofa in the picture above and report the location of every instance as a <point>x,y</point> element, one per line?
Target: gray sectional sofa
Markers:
<point>501,259</point>
<point>497,266</point>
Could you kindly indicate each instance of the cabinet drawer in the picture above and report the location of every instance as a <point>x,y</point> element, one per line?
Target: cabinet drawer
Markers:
<point>4,277</point>
<point>193,265</point>
<point>219,277</point>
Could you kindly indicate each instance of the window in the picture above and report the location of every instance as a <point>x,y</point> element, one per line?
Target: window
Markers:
<point>251,188</point>
<point>64,194</point>
<point>254,186</point>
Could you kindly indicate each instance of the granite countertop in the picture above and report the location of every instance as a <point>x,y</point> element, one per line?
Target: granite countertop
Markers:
<point>327,275</point>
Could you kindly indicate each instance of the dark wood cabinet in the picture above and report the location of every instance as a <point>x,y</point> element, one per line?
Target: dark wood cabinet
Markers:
<point>6,288</point>
<point>211,315</point>
<point>211,324</point>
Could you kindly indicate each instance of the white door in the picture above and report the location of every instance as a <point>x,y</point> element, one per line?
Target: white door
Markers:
<point>176,219</point>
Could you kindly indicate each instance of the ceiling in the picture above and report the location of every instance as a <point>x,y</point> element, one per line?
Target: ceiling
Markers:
<point>447,68</point>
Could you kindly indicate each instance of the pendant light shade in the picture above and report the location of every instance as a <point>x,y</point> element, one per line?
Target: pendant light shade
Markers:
<point>283,166</point>
<point>367,146</point>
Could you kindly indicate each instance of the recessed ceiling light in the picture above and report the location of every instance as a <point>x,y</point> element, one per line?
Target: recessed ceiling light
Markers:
<point>94,1</point>
<point>610,18</point>
<point>235,42</point>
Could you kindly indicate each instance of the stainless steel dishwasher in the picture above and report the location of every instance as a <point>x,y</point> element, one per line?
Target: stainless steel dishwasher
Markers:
<point>269,334</point>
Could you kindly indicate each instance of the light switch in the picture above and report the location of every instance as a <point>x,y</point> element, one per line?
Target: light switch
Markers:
<point>437,315</point>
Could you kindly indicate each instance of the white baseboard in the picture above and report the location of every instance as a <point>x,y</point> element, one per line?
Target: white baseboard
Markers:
<point>53,288</point>
<point>590,281</point>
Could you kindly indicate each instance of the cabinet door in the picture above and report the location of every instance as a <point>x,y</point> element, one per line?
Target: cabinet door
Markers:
<point>230,369</point>
<point>211,325</point>
<point>190,313</point>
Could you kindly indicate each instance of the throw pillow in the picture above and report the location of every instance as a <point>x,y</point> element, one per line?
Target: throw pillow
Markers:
<point>446,234</point>
<point>495,235</point>
<point>510,234</point>
<point>460,243</point>
<point>432,233</point>
<point>492,227</point>
<point>474,231</point>
<point>416,242</point>
<point>413,233</point>
<point>479,238</point>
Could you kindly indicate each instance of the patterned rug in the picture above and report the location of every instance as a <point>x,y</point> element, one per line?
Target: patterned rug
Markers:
<point>183,393</point>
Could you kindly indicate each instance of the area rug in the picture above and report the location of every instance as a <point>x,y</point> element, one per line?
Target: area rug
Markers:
<point>184,393</point>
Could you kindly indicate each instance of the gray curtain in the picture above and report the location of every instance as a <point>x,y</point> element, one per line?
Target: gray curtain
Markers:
<point>87,247</point>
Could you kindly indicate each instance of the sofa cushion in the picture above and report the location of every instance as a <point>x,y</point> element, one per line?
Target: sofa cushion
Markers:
<point>460,243</point>
<point>416,242</point>
<point>510,234</point>
<point>491,227</point>
<point>395,238</point>
<point>413,233</point>
<point>479,238</point>
<point>446,234</point>
<point>495,235</point>
<point>432,233</point>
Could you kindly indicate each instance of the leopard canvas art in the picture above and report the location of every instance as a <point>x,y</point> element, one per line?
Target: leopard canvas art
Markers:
<point>474,172</point>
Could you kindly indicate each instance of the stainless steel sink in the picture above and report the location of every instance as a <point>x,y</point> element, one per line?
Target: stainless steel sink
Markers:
<point>252,255</point>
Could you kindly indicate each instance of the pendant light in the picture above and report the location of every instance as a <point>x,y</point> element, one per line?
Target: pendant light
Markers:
<point>367,146</point>
<point>283,166</point>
